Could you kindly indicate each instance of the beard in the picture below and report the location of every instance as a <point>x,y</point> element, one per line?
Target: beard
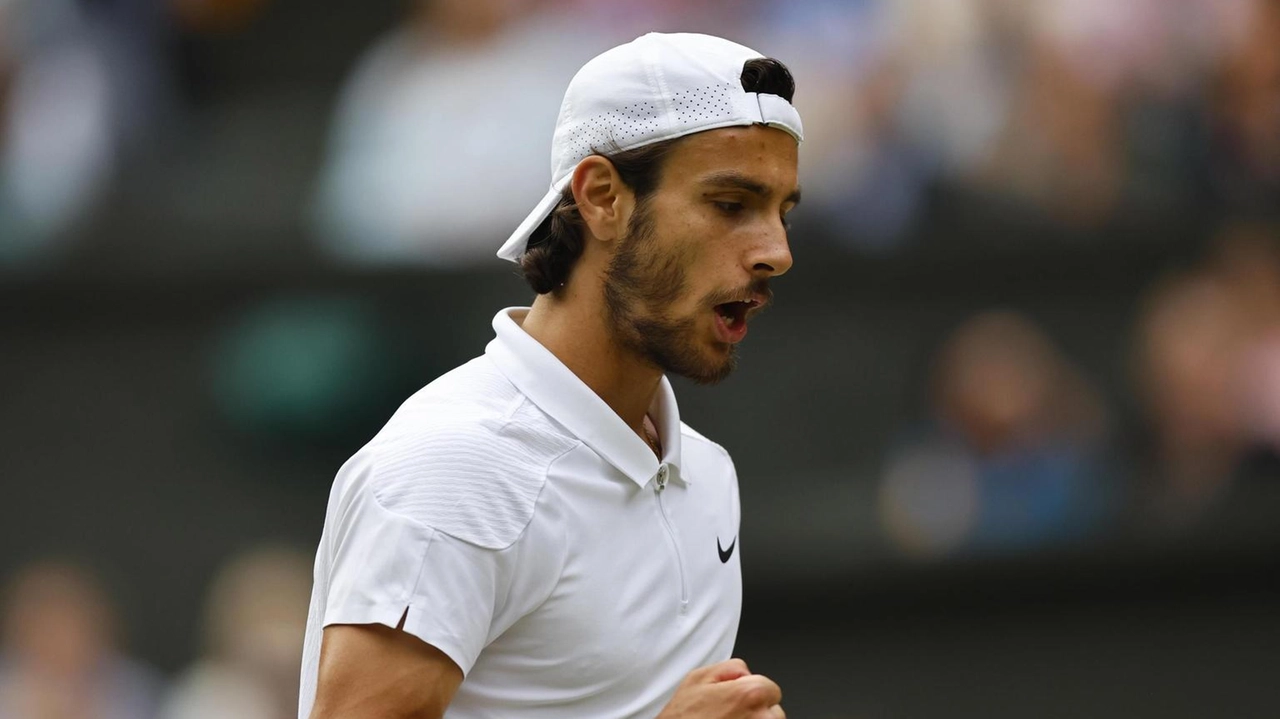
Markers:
<point>641,285</point>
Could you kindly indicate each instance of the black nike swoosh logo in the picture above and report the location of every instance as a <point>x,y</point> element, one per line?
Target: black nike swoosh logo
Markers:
<point>726,553</point>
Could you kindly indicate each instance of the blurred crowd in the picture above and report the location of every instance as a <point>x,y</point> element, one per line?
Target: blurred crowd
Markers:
<point>63,653</point>
<point>1080,111</point>
<point>1020,451</point>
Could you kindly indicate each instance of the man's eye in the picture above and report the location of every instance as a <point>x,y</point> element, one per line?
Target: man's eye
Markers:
<point>729,208</point>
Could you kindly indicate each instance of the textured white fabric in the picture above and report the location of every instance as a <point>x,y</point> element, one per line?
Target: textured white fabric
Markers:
<point>657,87</point>
<point>474,479</point>
<point>515,522</point>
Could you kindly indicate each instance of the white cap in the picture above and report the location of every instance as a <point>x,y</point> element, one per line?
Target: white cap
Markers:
<point>656,87</point>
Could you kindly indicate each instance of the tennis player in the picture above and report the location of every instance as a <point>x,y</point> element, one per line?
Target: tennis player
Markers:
<point>536,533</point>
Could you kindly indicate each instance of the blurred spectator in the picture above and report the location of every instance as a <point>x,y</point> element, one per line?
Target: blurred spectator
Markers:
<point>255,618</point>
<point>1208,366</point>
<point>1189,342</point>
<point>80,83</point>
<point>1060,148</point>
<point>860,171</point>
<point>1248,260</point>
<point>1245,112</point>
<point>56,148</point>
<point>60,654</point>
<point>442,135</point>
<point>1014,458</point>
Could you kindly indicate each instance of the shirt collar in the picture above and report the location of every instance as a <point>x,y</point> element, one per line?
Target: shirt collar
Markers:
<point>556,390</point>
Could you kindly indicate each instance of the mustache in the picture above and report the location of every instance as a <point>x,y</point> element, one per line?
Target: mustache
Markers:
<point>755,287</point>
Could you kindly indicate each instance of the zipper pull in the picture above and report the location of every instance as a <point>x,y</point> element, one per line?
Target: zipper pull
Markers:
<point>662,478</point>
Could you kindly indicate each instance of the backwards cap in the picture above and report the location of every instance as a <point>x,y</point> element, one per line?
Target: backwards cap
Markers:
<point>654,88</point>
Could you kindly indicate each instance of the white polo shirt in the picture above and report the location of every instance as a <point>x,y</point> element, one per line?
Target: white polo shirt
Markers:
<point>518,525</point>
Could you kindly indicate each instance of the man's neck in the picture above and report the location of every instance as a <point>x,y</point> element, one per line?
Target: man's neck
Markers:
<point>575,332</point>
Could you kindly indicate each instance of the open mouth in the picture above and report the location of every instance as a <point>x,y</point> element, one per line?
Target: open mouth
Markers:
<point>731,318</point>
<point>734,314</point>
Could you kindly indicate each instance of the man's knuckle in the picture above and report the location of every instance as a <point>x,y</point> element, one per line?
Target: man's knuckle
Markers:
<point>755,694</point>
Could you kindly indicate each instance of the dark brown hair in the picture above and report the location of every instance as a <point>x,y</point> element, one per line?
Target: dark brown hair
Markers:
<point>555,246</point>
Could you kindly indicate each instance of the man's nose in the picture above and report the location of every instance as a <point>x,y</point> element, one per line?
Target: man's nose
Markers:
<point>773,257</point>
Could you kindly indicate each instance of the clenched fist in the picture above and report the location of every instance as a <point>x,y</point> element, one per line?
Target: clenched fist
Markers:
<point>727,690</point>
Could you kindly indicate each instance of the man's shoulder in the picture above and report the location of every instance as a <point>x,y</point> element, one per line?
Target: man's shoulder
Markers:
<point>467,455</point>
<point>696,441</point>
<point>475,384</point>
<point>703,457</point>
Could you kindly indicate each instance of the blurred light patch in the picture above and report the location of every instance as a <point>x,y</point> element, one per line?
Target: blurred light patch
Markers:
<point>309,368</point>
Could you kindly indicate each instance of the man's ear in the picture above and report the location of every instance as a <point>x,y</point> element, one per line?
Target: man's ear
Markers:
<point>603,199</point>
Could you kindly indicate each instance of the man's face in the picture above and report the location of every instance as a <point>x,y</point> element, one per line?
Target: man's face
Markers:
<point>699,251</point>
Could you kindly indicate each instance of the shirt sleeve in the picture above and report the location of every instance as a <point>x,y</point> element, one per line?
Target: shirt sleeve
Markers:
<point>386,566</point>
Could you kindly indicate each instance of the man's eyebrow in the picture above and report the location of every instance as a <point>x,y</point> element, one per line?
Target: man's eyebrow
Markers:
<point>740,181</point>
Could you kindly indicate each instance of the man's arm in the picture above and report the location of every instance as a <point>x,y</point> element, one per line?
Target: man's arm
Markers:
<point>369,671</point>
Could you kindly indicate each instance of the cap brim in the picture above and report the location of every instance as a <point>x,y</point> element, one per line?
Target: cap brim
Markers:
<point>515,245</point>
